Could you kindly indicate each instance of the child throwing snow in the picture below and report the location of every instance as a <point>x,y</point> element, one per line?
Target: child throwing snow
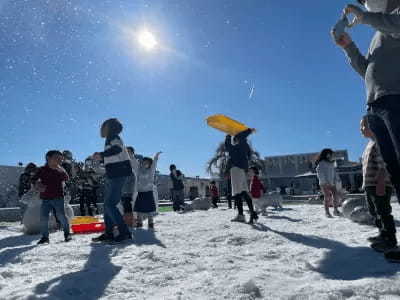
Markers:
<point>118,169</point>
<point>327,180</point>
<point>50,180</point>
<point>378,192</point>
<point>145,204</point>
<point>257,189</point>
<point>239,154</point>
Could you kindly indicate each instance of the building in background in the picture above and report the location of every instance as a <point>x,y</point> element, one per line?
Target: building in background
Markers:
<point>295,173</point>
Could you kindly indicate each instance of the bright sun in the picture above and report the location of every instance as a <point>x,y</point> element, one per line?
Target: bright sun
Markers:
<point>147,40</point>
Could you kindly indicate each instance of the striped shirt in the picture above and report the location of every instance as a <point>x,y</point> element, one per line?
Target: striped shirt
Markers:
<point>116,158</point>
<point>372,164</point>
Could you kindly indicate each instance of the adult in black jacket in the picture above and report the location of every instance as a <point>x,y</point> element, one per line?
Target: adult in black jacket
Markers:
<point>239,155</point>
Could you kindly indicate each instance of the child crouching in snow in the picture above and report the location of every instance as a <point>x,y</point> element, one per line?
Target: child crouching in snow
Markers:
<point>257,190</point>
<point>145,204</point>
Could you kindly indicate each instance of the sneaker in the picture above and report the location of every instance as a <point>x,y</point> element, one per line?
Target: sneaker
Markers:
<point>67,237</point>
<point>393,255</point>
<point>239,218</point>
<point>44,240</point>
<point>383,246</point>
<point>374,239</point>
<point>102,238</point>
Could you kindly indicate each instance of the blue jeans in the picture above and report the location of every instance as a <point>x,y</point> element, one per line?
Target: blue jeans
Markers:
<point>112,196</point>
<point>46,208</point>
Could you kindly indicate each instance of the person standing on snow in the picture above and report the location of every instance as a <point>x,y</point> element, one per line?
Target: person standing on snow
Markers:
<point>50,181</point>
<point>129,191</point>
<point>214,194</point>
<point>327,180</point>
<point>178,188</point>
<point>257,190</point>
<point>378,192</point>
<point>118,169</point>
<point>380,69</point>
<point>239,155</point>
<point>146,204</point>
<point>25,184</point>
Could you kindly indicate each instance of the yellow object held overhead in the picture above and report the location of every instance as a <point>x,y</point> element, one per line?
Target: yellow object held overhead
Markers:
<point>226,124</point>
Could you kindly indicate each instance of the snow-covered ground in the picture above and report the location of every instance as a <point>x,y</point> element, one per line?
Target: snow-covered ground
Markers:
<point>294,254</point>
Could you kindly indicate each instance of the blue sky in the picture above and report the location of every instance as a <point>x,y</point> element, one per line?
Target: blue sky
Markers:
<point>68,65</point>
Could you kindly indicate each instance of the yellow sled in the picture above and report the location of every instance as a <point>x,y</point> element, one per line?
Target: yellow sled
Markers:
<point>226,124</point>
<point>84,220</point>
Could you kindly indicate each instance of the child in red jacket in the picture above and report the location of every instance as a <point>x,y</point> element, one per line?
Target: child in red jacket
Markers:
<point>214,194</point>
<point>257,189</point>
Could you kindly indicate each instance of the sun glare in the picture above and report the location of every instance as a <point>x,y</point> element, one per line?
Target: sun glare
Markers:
<point>147,40</point>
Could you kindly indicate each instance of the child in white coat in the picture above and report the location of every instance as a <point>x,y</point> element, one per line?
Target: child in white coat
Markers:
<point>146,204</point>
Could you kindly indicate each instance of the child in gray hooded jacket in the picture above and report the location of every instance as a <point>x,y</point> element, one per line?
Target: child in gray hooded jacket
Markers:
<point>145,204</point>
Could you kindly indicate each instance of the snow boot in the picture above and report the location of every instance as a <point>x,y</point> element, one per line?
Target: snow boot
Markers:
<point>393,255</point>
<point>253,217</point>
<point>103,238</point>
<point>43,240</point>
<point>384,245</point>
<point>239,218</point>
<point>374,239</point>
<point>67,237</point>
<point>122,238</point>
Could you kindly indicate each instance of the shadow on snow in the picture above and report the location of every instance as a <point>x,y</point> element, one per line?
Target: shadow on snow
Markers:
<point>341,262</point>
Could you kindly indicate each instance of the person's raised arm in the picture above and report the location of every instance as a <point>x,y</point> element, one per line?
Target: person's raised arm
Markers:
<point>384,22</point>
<point>155,161</point>
<point>354,56</point>
<point>228,142</point>
<point>241,136</point>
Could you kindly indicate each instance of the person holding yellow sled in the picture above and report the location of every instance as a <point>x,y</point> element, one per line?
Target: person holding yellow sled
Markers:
<point>238,165</point>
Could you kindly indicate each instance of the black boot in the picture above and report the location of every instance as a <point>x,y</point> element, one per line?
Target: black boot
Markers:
<point>43,240</point>
<point>105,237</point>
<point>67,237</point>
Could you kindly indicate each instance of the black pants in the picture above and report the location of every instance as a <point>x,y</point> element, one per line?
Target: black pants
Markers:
<point>380,208</point>
<point>127,204</point>
<point>87,198</point>
<point>384,121</point>
<point>178,199</point>
<point>239,202</point>
<point>229,198</point>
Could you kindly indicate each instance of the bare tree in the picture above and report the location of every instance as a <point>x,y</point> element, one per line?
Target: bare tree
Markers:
<point>218,164</point>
